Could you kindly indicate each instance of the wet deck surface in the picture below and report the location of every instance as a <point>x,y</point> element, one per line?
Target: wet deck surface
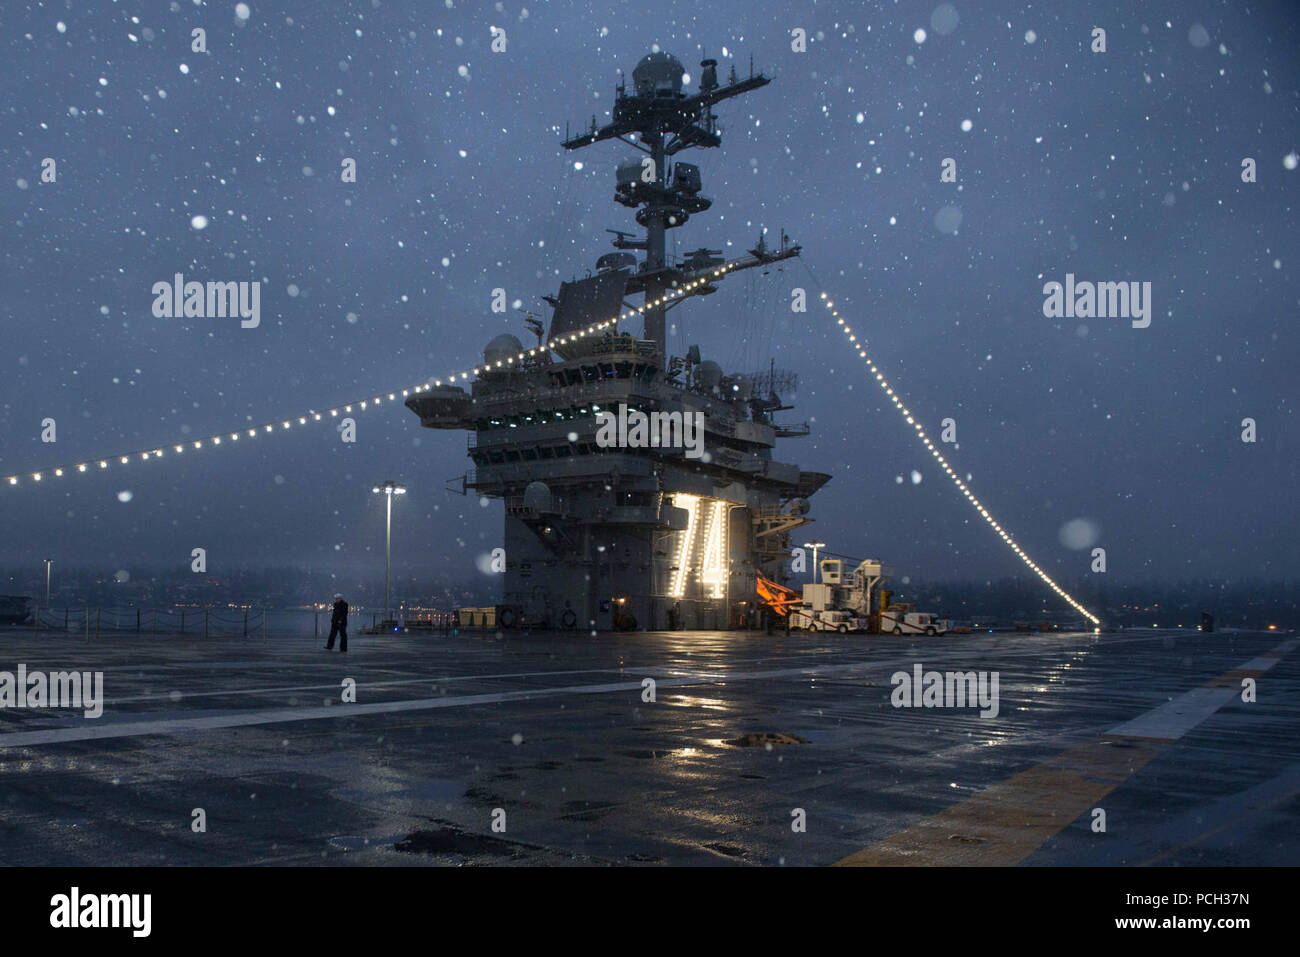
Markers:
<point>553,731</point>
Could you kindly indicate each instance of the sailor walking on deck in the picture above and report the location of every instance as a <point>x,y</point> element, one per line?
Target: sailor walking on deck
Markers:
<point>339,624</point>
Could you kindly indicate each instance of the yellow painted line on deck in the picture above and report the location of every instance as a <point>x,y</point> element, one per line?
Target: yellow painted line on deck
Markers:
<point>1010,820</point>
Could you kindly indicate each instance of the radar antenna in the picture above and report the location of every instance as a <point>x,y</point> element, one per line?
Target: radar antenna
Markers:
<point>664,121</point>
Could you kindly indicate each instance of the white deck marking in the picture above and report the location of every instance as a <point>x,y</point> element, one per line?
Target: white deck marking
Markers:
<point>171,723</point>
<point>159,697</point>
<point>430,680</point>
<point>89,731</point>
<point>1171,721</point>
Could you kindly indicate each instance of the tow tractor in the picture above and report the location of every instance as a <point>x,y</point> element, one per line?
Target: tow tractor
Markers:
<point>841,621</point>
<point>901,620</point>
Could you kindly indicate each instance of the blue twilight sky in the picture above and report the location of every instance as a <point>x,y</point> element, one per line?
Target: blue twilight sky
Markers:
<point>1122,165</point>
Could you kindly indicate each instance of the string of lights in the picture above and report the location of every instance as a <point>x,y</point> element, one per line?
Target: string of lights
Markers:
<point>311,416</point>
<point>889,390</point>
<point>362,405</point>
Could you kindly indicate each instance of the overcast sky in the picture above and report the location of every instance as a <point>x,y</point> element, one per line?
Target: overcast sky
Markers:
<point>1117,166</point>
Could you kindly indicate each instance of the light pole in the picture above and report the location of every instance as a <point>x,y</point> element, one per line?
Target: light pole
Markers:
<point>389,488</point>
<point>815,546</point>
<point>49,571</point>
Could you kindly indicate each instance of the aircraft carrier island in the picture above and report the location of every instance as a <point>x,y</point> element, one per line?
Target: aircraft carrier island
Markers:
<point>634,527</point>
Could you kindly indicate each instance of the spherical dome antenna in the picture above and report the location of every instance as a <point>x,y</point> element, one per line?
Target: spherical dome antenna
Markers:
<point>537,496</point>
<point>503,347</point>
<point>658,74</point>
<point>708,375</point>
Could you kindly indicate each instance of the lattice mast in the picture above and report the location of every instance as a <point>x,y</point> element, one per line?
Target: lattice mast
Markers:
<point>666,121</point>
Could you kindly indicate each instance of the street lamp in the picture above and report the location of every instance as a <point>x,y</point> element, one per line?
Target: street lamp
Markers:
<point>815,546</point>
<point>389,488</point>
<point>49,571</point>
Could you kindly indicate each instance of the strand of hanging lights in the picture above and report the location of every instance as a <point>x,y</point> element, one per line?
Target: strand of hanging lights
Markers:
<point>311,416</point>
<point>362,405</point>
<point>861,350</point>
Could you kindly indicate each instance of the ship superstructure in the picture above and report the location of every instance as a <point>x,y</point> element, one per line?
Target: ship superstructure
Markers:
<point>634,535</point>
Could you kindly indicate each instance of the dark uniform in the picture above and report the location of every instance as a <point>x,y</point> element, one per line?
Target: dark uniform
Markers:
<point>339,626</point>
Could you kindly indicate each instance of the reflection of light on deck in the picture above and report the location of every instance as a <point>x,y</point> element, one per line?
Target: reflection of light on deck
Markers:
<point>686,701</point>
